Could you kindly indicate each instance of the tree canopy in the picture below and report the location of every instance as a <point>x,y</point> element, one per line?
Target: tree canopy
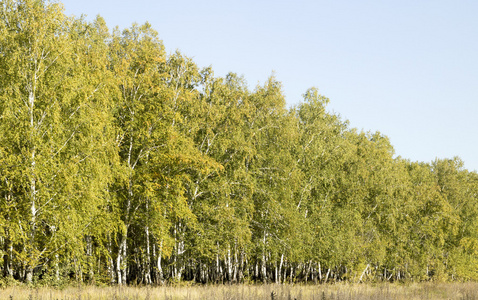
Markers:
<point>122,164</point>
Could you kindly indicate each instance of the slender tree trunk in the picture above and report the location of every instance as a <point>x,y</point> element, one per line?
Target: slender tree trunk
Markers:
<point>6,259</point>
<point>121,265</point>
<point>291,273</point>
<point>276,272</point>
<point>29,274</point>
<point>307,272</point>
<point>236,265</point>
<point>147,276</point>
<point>280,267</point>
<point>229,264</point>
<point>263,263</point>
<point>284,277</point>
<point>90,259</point>
<point>218,266</point>
<point>327,275</point>
<point>241,267</point>
<point>118,265</point>
<point>314,274</point>
<point>160,268</point>
<point>256,270</point>
<point>391,275</point>
<point>7,271</point>
<point>363,273</point>
<point>320,273</point>
<point>121,259</point>
<point>33,191</point>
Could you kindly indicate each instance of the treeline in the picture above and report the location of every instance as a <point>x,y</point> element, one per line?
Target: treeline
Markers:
<point>122,164</point>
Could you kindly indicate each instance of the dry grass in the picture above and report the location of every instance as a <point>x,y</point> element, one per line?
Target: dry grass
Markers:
<point>465,291</point>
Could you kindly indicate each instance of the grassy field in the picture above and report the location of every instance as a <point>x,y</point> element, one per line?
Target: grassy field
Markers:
<point>320,292</point>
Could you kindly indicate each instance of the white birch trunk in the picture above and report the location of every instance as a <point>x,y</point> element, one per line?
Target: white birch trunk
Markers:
<point>229,263</point>
<point>276,274</point>
<point>33,192</point>
<point>327,275</point>
<point>160,268</point>
<point>263,265</point>
<point>148,259</point>
<point>320,273</point>
<point>123,262</point>
<point>363,273</point>
<point>217,262</point>
<point>118,267</point>
<point>291,274</point>
<point>236,266</point>
<point>280,266</point>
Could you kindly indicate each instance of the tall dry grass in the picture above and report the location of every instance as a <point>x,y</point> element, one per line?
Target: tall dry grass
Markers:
<point>432,291</point>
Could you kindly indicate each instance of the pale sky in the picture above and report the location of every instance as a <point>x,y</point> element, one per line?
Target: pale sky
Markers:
<point>408,69</point>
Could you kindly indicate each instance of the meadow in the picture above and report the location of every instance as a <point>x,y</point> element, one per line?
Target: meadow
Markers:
<point>269,291</point>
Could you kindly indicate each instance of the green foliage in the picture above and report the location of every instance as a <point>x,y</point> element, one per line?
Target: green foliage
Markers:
<point>122,164</point>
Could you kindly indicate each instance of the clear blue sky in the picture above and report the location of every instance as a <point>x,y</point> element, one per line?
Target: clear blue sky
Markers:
<point>408,69</point>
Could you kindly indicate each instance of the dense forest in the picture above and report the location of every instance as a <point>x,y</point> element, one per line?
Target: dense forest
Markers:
<point>122,164</point>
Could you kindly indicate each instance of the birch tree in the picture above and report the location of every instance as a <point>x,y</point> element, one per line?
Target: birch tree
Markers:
<point>55,141</point>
